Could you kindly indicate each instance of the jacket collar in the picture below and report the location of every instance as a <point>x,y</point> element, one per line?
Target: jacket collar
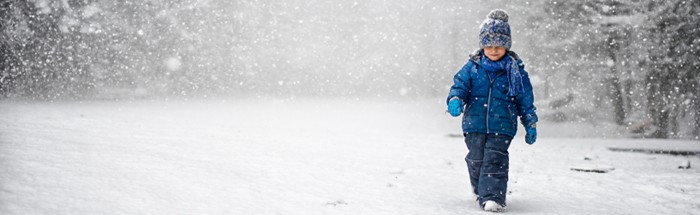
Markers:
<point>476,56</point>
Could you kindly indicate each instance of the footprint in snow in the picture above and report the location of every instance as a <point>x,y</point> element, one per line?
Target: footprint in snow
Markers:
<point>336,203</point>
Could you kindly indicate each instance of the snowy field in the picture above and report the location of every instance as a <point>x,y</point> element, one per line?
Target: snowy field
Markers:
<point>309,156</point>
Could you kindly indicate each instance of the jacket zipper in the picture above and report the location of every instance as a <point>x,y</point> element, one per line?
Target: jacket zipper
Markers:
<point>488,103</point>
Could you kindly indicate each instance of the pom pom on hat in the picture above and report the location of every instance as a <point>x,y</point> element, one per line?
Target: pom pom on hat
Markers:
<point>495,30</point>
<point>498,14</point>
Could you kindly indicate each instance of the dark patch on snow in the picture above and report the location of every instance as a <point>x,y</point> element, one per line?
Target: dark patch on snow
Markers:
<point>655,151</point>
<point>455,135</point>
<point>336,203</point>
<point>595,168</point>
<point>590,170</point>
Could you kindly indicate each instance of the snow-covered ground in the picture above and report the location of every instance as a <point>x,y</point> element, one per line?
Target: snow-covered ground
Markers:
<point>311,156</point>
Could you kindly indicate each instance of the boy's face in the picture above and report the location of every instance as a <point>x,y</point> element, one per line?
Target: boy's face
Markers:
<point>494,53</point>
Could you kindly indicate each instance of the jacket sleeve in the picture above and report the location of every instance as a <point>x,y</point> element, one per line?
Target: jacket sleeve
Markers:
<point>525,101</point>
<point>462,84</point>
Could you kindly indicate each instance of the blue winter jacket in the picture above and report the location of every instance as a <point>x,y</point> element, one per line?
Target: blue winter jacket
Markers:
<point>489,109</point>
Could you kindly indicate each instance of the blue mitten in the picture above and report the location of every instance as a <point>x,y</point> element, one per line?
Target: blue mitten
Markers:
<point>531,135</point>
<point>455,107</point>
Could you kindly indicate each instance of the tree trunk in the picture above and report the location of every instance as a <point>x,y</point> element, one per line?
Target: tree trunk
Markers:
<point>617,101</point>
<point>662,122</point>
<point>615,88</point>
<point>696,111</point>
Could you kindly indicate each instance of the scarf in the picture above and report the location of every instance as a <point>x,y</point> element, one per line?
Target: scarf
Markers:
<point>508,64</point>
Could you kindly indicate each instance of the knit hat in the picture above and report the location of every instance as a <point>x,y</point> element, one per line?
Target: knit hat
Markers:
<point>495,30</point>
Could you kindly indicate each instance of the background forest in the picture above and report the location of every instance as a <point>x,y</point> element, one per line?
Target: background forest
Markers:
<point>632,62</point>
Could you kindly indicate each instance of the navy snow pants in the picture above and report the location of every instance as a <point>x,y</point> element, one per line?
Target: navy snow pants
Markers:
<point>488,165</point>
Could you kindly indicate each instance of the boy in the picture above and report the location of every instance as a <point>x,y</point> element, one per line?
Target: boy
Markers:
<point>496,90</point>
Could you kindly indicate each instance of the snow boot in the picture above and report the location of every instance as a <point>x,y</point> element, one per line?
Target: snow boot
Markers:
<point>492,206</point>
